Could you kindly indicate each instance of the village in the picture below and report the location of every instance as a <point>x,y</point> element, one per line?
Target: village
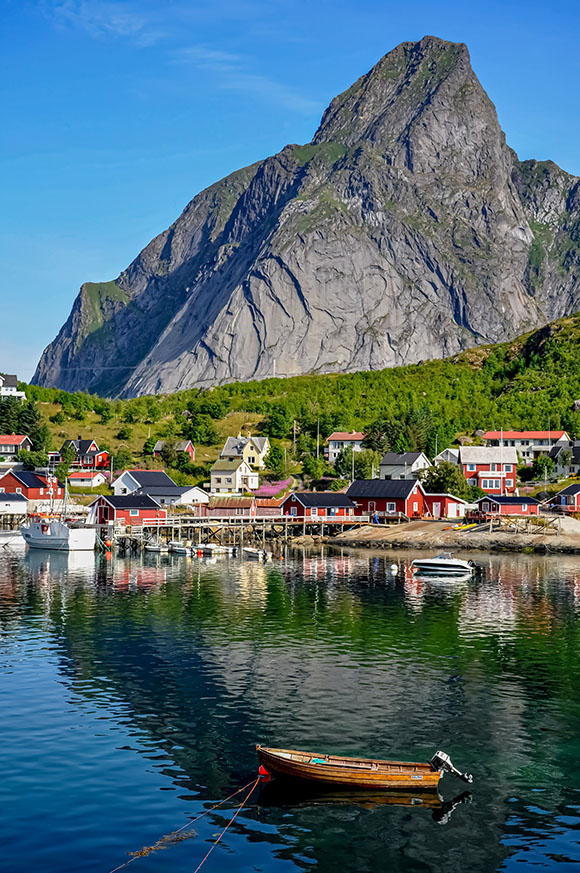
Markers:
<point>481,478</point>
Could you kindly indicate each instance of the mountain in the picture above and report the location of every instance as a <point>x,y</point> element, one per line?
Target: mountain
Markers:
<point>407,229</point>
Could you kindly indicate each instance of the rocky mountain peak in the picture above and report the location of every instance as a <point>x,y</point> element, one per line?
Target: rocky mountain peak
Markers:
<point>405,230</point>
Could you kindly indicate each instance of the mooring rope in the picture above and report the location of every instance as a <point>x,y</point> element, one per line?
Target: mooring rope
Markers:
<point>231,821</point>
<point>164,841</point>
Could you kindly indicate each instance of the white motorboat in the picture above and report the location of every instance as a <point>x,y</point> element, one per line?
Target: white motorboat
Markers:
<point>257,554</point>
<point>179,548</point>
<point>442,565</point>
<point>211,549</point>
<point>154,546</point>
<point>44,532</point>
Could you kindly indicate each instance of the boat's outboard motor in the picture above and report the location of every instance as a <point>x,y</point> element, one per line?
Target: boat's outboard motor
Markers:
<point>442,761</point>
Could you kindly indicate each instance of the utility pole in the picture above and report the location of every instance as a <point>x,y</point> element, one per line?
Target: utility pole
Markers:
<point>352,460</point>
<point>318,438</point>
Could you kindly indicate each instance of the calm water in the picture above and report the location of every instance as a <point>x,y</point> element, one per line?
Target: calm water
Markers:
<point>132,693</point>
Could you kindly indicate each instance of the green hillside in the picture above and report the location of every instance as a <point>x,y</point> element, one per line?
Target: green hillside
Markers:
<point>529,383</point>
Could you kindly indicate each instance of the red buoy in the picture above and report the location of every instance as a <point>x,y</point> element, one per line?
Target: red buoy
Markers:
<point>264,774</point>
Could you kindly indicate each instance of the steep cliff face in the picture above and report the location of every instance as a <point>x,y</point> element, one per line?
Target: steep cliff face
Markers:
<point>405,230</point>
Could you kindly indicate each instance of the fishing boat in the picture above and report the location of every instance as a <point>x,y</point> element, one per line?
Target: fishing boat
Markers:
<point>443,564</point>
<point>257,554</point>
<point>46,532</point>
<point>338,770</point>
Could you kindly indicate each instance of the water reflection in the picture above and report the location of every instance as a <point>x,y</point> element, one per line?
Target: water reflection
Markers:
<point>161,672</point>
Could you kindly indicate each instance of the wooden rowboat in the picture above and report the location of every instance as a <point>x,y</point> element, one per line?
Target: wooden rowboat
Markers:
<point>338,770</point>
<point>362,772</point>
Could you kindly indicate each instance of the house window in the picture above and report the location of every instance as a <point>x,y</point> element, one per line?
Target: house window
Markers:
<point>19,490</point>
<point>492,468</point>
<point>391,507</point>
<point>524,507</point>
<point>509,483</point>
<point>41,491</point>
<point>1,490</point>
<point>134,512</point>
<point>218,480</point>
<point>508,468</point>
<point>314,511</point>
<point>485,506</point>
<point>293,510</point>
<point>471,468</point>
<point>415,507</point>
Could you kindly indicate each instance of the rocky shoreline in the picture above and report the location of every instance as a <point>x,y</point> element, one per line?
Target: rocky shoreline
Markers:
<point>439,536</point>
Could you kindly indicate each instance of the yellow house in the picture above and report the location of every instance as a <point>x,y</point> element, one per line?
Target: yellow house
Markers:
<point>251,449</point>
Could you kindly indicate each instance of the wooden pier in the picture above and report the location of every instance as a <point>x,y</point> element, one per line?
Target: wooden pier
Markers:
<point>227,531</point>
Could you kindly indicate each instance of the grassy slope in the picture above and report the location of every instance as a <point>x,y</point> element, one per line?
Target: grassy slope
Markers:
<point>531,382</point>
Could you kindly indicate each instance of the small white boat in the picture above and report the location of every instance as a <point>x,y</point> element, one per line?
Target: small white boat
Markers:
<point>52,533</point>
<point>179,548</point>
<point>257,554</point>
<point>442,565</point>
<point>158,547</point>
<point>215,549</point>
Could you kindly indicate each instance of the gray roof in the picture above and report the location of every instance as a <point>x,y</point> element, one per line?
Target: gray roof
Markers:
<point>29,479</point>
<point>163,491</point>
<point>398,459</point>
<point>236,445</point>
<point>8,495</point>
<point>571,489</point>
<point>179,446</point>
<point>10,381</point>
<point>323,498</point>
<point>488,455</point>
<point>389,489</point>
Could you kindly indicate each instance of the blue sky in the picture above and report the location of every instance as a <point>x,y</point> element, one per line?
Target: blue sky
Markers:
<point>117,112</point>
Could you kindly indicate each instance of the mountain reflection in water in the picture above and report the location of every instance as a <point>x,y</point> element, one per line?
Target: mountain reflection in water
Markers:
<point>133,691</point>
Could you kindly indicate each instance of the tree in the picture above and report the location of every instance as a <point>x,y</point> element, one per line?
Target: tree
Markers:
<point>149,445</point>
<point>314,467</point>
<point>67,457</point>
<point>32,460</point>
<point>124,433</point>
<point>565,459</point>
<point>274,461</point>
<point>543,465</point>
<point>122,459</point>
<point>279,422</point>
<point>445,478</point>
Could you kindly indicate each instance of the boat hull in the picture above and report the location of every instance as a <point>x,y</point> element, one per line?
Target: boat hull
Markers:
<point>350,772</point>
<point>55,535</point>
<point>441,568</point>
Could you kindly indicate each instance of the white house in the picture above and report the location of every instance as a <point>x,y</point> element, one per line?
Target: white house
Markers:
<point>175,495</point>
<point>449,456</point>
<point>233,477</point>
<point>9,386</point>
<point>528,443</point>
<point>133,480</point>
<point>12,504</point>
<point>11,444</point>
<point>566,458</point>
<point>339,440</point>
<point>402,465</point>
<point>86,478</point>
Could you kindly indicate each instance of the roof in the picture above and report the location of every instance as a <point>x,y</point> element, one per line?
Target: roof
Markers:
<point>496,498</point>
<point>488,455</point>
<point>354,435</point>
<point>449,451</point>
<point>524,434</point>
<point>236,445</point>
<point>390,489</point>
<point>323,498</point>
<point>29,479</point>
<point>167,490</point>
<point>149,478</point>
<point>231,502</point>
<point>444,494</point>
<point>398,459</point>
<point>80,446</point>
<point>13,439</point>
<point>269,501</point>
<point>9,380</point>
<point>179,446</point>
<point>130,501</point>
<point>571,489</point>
<point>8,495</point>
<point>84,474</point>
<point>226,466</point>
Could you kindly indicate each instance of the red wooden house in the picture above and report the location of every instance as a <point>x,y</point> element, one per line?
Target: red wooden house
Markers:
<point>226,505</point>
<point>388,497</point>
<point>495,505</point>
<point>567,500</point>
<point>445,505</point>
<point>33,486</point>
<point>319,504</point>
<point>491,468</point>
<point>179,446</point>
<point>87,454</point>
<point>128,509</point>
